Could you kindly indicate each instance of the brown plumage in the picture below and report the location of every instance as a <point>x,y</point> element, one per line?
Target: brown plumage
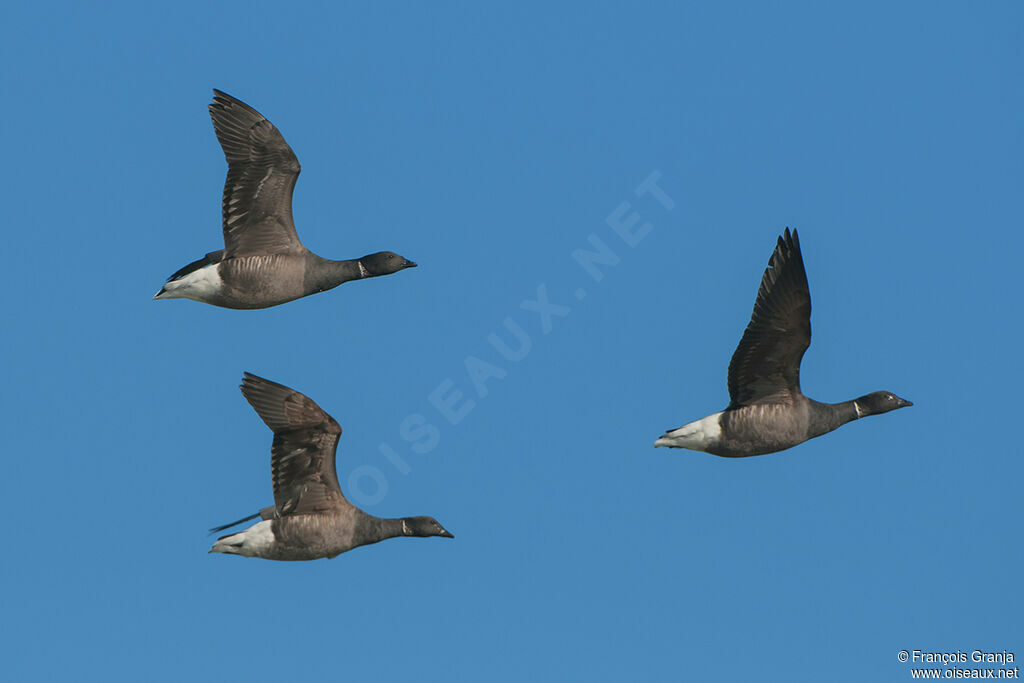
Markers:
<point>263,262</point>
<point>311,517</point>
<point>767,411</point>
<point>765,368</point>
<point>262,170</point>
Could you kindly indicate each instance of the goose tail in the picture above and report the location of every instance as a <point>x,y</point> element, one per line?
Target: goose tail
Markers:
<point>222,527</point>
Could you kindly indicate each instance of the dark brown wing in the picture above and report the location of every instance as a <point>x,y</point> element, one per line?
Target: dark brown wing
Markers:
<point>305,443</point>
<point>262,170</point>
<point>765,367</point>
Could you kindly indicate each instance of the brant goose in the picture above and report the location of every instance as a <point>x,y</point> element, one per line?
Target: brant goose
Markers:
<point>310,517</point>
<point>263,263</point>
<point>767,412</point>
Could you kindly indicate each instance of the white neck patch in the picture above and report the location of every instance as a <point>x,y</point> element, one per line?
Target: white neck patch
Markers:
<point>856,408</point>
<point>405,528</point>
<point>362,270</point>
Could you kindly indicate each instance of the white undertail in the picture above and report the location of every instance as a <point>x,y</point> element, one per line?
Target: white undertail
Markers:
<point>199,284</point>
<point>253,542</point>
<point>697,436</point>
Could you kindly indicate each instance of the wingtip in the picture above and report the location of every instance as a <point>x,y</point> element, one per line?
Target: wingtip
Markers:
<point>248,379</point>
<point>789,237</point>
<point>786,245</point>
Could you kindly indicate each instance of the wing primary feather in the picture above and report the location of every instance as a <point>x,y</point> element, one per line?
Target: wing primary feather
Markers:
<point>765,367</point>
<point>302,461</point>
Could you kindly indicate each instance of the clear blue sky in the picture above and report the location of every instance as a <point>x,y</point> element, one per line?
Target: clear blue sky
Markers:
<point>488,144</point>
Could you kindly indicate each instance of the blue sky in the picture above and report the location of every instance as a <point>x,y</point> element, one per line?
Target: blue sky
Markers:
<point>489,144</point>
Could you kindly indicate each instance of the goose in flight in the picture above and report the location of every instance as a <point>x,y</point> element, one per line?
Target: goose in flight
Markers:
<point>263,263</point>
<point>767,411</point>
<point>310,517</point>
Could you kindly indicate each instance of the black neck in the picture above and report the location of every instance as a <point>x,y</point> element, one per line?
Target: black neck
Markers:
<point>325,274</point>
<point>828,416</point>
<point>848,411</point>
<point>391,528</point>
<point>375,529</point>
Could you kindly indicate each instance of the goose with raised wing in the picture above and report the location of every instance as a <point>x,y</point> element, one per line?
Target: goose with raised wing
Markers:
<point>767,412</point>
<point>263,263</point>
<point>310,518</point>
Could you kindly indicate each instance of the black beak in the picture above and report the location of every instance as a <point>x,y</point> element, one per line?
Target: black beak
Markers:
<point>447,534</point>
<point>904,403</point>
<point>409,264</point>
